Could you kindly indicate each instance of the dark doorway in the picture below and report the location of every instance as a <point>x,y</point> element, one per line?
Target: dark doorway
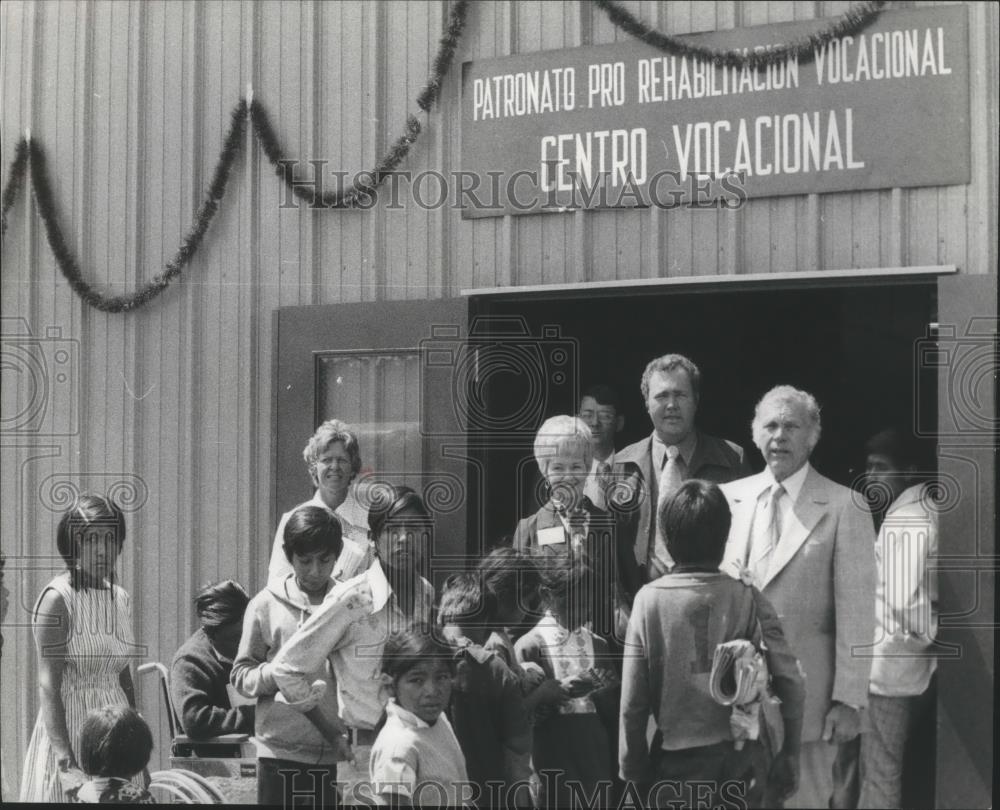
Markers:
<point>852,347</point>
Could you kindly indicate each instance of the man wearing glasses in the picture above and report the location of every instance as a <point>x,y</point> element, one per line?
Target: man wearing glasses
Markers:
<point>599,409</point>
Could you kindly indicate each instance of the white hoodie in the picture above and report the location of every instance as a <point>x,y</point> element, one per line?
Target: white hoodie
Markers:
<point>281,732</point>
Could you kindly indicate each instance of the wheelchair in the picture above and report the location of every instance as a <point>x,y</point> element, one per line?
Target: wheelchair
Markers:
<point>228,761</point>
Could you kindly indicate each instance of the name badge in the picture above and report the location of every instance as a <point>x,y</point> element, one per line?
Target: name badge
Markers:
<point>551,536</point>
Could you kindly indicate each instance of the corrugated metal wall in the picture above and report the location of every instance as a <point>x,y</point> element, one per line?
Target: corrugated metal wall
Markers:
<point>173,403</point>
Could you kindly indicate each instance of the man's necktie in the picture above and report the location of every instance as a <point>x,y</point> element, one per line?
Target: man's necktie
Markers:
<point>603,481</point>
<point>671,479</point>
<point>766,533</point>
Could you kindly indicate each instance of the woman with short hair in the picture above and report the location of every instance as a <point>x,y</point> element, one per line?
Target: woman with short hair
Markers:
<point>333,458</point>
<point>82,623</point>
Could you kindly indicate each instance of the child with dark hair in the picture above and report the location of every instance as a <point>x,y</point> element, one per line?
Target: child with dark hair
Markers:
<point>416,759</point>
<point>200,672</point>
<point>487,706</point>
<point>115,744</point>
<point>677,621</point>
<point>511,585</point>
<point>572,749</point>
<point>352,624</point>
<point>292,754</point>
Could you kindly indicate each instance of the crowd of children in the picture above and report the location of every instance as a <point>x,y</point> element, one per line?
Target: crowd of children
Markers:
<point>538,678</point>
<point>532,681</point>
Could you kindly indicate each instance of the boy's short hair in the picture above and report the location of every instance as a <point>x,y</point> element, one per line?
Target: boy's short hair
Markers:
<point>564,577</point>
<point>559,433</point>
<point>310,529</point>
<point>900,447</point>
<point>387,501</point>
<point>506,575</point>
<point>414,645</point>
<point>114,741</point>
<point>462,599</point>
<point>220,604</point>
<point>695,521</point>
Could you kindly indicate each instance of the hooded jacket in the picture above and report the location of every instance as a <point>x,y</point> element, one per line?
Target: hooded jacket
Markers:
<point>281,732</point>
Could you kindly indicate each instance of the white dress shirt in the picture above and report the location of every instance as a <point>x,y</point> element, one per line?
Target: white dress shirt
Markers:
<point>906,614</point>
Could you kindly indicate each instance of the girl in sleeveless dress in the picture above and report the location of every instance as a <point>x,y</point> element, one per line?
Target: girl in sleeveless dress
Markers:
<point>82,624</point>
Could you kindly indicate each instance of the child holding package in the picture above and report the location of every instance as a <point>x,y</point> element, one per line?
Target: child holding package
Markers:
<point>115,744</point>
<point>416,759</point>
<point>574,723</point>
<point>292,751</point>
<point>510,584</point>
<point>487,707</point>
<point>677,621</point>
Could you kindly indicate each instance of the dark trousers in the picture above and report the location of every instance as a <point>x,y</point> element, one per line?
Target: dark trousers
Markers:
<point>709,776</point>
<point>285,783</point>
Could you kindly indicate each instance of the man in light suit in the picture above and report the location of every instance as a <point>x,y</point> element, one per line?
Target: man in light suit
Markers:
<point>646,472</point>
<point>810,547</point>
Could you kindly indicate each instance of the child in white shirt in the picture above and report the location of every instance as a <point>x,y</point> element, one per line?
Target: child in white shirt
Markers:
<point>416,759</point>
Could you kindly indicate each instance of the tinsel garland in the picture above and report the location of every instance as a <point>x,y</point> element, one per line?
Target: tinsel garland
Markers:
<point>15,179</point>
<point>852,23</point>
<point>361,193</point>
<point>64,258</point>
<point>29,158</point>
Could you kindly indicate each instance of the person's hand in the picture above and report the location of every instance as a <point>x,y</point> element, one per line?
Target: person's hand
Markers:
<point>604,677</point>
<point>783,778</point>
<point>550,691</point>
<point>344,752</point>
<point>70,780</point>
<point>533,676</point>
<point>842,724</point>
<point>578,685</point>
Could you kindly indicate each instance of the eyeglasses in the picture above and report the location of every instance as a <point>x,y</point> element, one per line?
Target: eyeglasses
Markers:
<point>604,417</point>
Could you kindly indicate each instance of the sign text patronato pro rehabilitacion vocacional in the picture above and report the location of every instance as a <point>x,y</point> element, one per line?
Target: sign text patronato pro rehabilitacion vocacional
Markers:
<point>626,125</point>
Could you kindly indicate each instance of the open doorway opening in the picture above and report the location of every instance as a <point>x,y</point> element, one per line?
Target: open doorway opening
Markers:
<point>853,347</point>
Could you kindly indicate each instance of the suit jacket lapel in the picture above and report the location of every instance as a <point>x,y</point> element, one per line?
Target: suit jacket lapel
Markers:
<point>802,519</point>
<point>641,454</point>
<point>706,452</point>
<point>743,502</point>
<point>648,508</point>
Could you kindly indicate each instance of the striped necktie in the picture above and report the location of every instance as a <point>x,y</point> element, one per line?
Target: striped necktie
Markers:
<point>766,533</point>
<point>671,478</point>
